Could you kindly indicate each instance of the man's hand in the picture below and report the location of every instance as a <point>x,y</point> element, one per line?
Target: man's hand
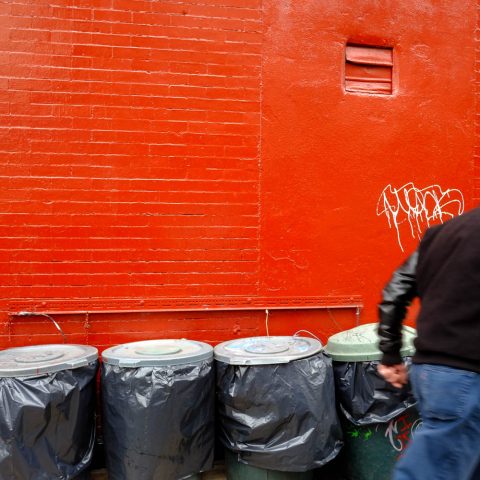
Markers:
<point>395,374</point>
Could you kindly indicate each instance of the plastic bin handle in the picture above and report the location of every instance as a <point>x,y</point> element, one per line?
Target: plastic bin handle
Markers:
<point>82,362</point>
<point>128,362</point>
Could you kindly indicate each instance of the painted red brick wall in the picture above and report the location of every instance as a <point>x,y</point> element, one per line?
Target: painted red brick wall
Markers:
<point>130,151</point>
<point>159,157</point>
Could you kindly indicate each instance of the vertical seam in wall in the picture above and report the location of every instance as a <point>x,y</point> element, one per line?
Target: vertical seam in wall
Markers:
<point>476,123</point>
<point>260,158</point>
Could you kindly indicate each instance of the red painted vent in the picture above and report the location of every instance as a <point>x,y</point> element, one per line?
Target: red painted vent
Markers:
<point>368,69</point>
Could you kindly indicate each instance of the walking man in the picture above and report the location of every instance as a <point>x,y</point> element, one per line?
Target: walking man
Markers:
<point>444,273</point>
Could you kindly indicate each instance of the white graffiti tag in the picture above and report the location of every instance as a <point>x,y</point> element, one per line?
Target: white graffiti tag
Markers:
<point>399,432</point>
<point>419,207</point>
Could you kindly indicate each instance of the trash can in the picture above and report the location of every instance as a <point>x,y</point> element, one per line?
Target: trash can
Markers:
<point>47,411</point>
<point>158,409</point>
<point>377,418</point>
<point>276,407</point>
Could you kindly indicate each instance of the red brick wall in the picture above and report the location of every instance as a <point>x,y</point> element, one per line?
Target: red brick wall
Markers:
<point>130,149</point>
<point>156,153</point>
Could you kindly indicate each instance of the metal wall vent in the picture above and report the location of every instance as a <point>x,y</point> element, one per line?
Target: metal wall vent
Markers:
<point>368,69</point>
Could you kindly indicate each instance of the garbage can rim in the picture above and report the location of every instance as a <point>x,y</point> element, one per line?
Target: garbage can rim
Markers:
<point>157,352</point>
<point>361,344</point>
<point>266,350</point>
<point>37,360</point>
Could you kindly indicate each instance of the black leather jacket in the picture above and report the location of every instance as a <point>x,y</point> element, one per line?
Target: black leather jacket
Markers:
<point>444,273</point>
<point>397,296</point>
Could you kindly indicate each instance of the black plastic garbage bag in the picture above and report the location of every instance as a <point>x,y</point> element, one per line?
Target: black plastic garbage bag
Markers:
<point>158,421</point>
<point>364,395</point>
<point>282,416</point>
<point>47,424</point>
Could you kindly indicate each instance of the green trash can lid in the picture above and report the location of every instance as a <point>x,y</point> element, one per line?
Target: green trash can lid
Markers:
<point>153,353</point>
<point>266,350</point>
<point>37,360</point>
<point>361,344</point>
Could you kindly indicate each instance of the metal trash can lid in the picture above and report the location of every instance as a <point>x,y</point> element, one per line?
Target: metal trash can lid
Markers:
<point>361,344</point>
<point>41,359</point>
<point>266,350</point>
<point>153,353</point>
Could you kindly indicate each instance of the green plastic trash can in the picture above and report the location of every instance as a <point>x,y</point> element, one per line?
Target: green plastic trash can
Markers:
<point>377,418</point>
<point>237,470</point>
<point>276,407</point>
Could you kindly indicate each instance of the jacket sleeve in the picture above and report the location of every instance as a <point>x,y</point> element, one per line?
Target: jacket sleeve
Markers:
<point>397,296</point>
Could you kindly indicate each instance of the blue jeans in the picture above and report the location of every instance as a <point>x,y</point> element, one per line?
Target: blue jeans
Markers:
<point>447,446</point>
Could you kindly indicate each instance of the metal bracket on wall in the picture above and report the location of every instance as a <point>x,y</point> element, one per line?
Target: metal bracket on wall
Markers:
<point>196,304</point>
